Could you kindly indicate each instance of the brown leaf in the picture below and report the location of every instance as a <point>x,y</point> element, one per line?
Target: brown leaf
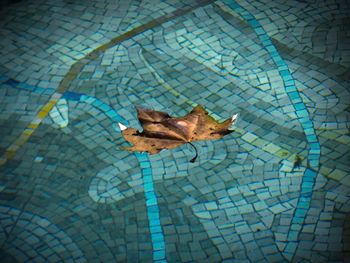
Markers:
<point>161,131</point>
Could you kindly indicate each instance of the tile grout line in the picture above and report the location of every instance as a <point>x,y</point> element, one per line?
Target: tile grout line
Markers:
<point>31,127</point>
<point>153,213</point>
<point>76,67</point>
<point>248,137</point>
<point>313,157</point>
<point>157,236</point>
<point>151,203</point>
<point>304,119</point>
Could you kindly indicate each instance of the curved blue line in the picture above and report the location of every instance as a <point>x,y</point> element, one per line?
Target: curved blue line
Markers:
<point>302,113</point>
<point>156,231</point>
<point>153,215</point>
<point>24,86</point>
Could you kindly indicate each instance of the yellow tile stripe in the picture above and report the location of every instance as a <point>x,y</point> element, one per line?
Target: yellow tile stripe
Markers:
<point>248,137</point>
<point>24,137</point>
<point>79,64</point>
<point>253,139</point>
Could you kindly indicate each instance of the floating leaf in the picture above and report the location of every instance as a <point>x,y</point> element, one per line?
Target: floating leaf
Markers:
<point>161,131</point>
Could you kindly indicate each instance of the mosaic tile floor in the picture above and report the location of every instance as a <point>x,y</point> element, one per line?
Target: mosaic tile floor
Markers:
<point>275,190</point>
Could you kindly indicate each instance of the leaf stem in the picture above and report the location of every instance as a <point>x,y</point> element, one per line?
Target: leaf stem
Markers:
<point>195,157</point>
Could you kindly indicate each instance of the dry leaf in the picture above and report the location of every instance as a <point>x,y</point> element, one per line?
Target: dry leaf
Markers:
<point>161,131</point>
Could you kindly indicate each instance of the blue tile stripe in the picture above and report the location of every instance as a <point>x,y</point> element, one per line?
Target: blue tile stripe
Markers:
<point>23,86</point>
<point>105,108</point>
<point>153,213</point>
<point>152,209</point>
<point>313,157</point>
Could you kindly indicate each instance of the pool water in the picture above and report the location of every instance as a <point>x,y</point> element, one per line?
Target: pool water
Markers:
<point>277,189</point>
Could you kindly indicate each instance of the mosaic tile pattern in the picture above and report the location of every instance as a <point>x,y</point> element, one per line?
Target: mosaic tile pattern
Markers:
<point>36,238</point>
<point>303,117</point>
<point>275,190</point>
